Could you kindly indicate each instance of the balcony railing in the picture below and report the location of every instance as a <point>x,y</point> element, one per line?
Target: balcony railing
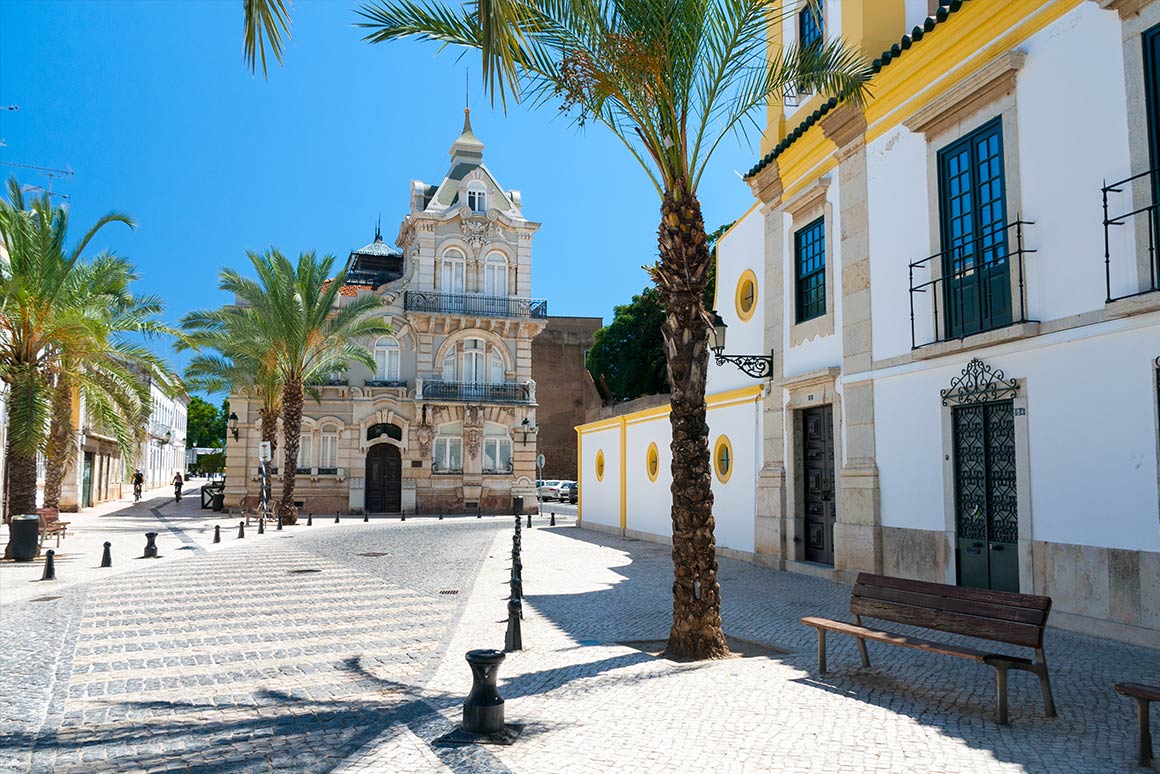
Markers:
<point>439,470</point>
<point>474,305</point>
<point>975,286</point>
<point>503,392</point>
<point>385,383</point>
<point>372,278</point>
<point>1150,216</point>
<point>502,470</point>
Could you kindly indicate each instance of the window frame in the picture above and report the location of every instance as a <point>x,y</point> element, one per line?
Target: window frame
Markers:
<point>813,15</point>
<point>388,345</point>
<point>804,312</point>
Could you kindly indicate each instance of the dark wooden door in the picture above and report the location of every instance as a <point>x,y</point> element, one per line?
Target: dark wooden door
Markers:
<point>986,508</point>
<point>384,489</point>
<point>818,458</point>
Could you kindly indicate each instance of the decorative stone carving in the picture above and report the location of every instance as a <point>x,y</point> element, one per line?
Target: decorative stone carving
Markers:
<point>472,438</point>
<point>424,436</point>
<point>477,231</point>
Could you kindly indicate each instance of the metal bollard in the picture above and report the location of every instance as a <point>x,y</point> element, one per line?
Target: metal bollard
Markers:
<point>483,708</point>
<point>262,526</point>
<point>441,517</point>
<point>49,566</point>
<point>552,523</point>
<point>150,545</point>
<point>513,640</point>
<point>279,527</point>
<point>241,529</point>
<point>107,556</point>
<point>366,517</point>
<point>336,518</point>
<point>403,516</point>
<point>310,520</point>
<point>217,533</point>
<point>529,521</point>
<point>517,588</point>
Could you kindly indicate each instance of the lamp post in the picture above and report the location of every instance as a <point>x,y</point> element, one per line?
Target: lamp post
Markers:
<point>233,424</point>
<point>757,366</point>
<point>527,427</point>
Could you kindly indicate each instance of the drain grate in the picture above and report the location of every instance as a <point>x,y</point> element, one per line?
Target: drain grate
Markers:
<point>45,599</point>
<point>304,571</point>
<point>449,592</point>
<point>373,553</point>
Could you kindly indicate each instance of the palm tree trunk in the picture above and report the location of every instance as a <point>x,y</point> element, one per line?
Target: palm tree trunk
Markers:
<point>681,278</point>
<point>269,423</point>
<point>60,453</point>
<point>292,397</point>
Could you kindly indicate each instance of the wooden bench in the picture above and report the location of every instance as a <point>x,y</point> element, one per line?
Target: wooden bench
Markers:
<point>50,524</point>
<point>1144,696</point>
<point>1000,616</point>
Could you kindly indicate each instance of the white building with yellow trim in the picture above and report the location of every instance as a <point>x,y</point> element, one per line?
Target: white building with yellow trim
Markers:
<point>960,286</point>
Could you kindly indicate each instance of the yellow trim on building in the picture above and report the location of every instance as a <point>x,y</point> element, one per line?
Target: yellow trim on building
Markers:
<point>652,462</point>
<point>723,444</point>
<point>623,474</point>
<point>579,477</point>
<point>746,287</point>
<point>719,400</point>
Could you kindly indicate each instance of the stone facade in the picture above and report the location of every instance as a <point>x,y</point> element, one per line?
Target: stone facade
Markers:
<point>564,389</point>
<point>439,425</point>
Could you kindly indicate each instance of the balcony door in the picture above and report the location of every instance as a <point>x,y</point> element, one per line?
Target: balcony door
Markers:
<point>453,280</point>
<point>973,216</point>
<point>495,284</point>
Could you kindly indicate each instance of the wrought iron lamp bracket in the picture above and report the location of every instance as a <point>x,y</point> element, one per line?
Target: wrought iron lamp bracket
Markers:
<point>757,366</point>
<point>979,383</point>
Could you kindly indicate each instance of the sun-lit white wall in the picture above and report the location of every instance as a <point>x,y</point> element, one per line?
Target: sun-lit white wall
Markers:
<point>600,498</point>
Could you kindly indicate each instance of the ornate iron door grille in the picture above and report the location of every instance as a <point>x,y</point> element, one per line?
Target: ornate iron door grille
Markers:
<point>986,507</point>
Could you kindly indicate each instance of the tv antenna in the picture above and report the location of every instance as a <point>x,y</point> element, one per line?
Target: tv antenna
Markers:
<point>48,172</point>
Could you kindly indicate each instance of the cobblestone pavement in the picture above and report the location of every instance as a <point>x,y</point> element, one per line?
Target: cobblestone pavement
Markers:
<point>231,662</point>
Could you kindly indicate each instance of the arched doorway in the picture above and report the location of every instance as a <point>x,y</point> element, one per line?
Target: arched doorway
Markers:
<point>384,489</point>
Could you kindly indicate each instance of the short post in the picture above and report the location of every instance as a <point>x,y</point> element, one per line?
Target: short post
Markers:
<point>483,708</point>
<point>552,523</point>
<point>336,518</point>
<point>516,587</point>
<point>513,640</point>
<point>262,525</point>
<point>107,556</point>
<point>529,521</point>
<point>279,527</point>
<point>150,545</point>
<point>49,566</point>
<point>440,517</point>
<point>403,516</point>
<point>241,529</point>
<point>366,517</point>
<point>217,533</point>
<point>310,520</point>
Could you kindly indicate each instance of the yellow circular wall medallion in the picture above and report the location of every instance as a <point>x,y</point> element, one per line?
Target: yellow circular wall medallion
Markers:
<point>723,459</point>
<point>746,296</point>
<point>652,462</point>
<point>600,465</point>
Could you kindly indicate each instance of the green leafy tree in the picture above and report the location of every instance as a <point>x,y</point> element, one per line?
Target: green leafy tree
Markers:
<point>289,325</point>
<point>203,425</point>
<point>670,79</point>
<point>40,318</point>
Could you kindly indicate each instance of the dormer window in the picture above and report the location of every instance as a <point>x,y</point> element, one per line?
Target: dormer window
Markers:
<point>477,199</point>
<point>811,27</point>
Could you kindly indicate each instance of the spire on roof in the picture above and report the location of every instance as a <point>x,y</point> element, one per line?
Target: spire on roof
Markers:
<point>467,147</point>
<point>379,229</point>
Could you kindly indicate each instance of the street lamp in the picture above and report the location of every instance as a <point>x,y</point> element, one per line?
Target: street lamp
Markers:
<point>757,366</point>
<point>168,437</point>
<point>526,427</point>
<point>233,424</point>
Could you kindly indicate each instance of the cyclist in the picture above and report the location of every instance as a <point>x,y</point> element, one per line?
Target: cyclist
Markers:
<point>177,482</point>
<point>138,482</point>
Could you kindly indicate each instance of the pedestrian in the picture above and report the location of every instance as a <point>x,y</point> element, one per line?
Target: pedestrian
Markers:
<point>177,482</point>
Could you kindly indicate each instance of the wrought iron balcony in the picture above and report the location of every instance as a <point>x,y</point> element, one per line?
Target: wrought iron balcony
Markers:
<point>474,305</point>
<point>1144,219</point>
<point>477,392</point>
<point>371,278</point>
<point>439,470</point>
<point>336,382</point>
<point>327,471</point>
<point>385,383</point>
<point>504,470</point>
<point>974,287</point>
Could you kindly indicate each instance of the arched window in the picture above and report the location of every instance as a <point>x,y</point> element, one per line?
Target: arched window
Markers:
<point>495,275</point>
<point>476,198</point>
<point>473,362</point>
<point>497,449</point>
<point>328,449</point>
<point>304,456</point>
<point>448,449</point>
<point>454,272</point>
<point>384,429</point>
<point>387,355</point>
<point>448,366</point>
<point>497,370</point>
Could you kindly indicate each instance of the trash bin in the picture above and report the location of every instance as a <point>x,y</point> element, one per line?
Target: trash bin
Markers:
<point>517,505</point>
<point>24,536</point>
<point>219,501</point>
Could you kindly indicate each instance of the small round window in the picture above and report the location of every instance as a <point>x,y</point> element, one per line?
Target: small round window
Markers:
<point>600,465</point>
<point>652,462</point>
<point>746,298</point>
<point>723,459</point>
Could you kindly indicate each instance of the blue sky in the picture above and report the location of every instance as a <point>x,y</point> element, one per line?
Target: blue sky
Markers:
<point>150,105</point>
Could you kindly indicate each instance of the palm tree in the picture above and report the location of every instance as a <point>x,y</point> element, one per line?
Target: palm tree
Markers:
<point>102,367</point>
<point>265,22</point>
<point>670,80</point>
<point>290,320</point>
<point>38,320</point>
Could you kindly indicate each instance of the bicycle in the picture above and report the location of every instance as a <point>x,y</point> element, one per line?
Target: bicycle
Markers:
<point>136,493</point>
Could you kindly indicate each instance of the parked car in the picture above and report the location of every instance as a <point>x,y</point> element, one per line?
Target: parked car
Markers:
<point>570,492</point>
<point>550,489</point>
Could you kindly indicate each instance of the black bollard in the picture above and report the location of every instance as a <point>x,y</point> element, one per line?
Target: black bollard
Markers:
<point>483,709</point>
<point>107,556</point>
<point>441,517</point>
<point>529,521</point>
<point>403,516</point>
<point>241,529</point>
<point>366,517</point>
<point>513,640</point>
<point>478,513</point>
<point>262,526</point>
<point>517,588</point>
<point>336,518</point>
<point>217,533</point>
<point>279,527</point>
<point>150,545</point>
<point>552,523</point>
<point>310,520</point>
<point>49,566</point>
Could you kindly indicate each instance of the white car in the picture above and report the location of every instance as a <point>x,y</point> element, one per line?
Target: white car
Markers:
<point>550,489</point>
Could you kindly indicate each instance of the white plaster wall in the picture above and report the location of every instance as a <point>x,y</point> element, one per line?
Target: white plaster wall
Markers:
<point>734,502</point>
<point>602,498</point>
<point>649,503</point>
<point>899,216</point>
<point>742,248</point>
<point>915,12</point>
<point>820,351</point>
<point>1065,155</point>
<point>1092,436</point>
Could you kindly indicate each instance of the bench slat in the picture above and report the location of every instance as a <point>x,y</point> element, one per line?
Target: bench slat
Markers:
<point>971,626</point>
<point>917,643</point>
<point>956,604</point>
<point>1009,598</point>
<point>1149,692</point>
